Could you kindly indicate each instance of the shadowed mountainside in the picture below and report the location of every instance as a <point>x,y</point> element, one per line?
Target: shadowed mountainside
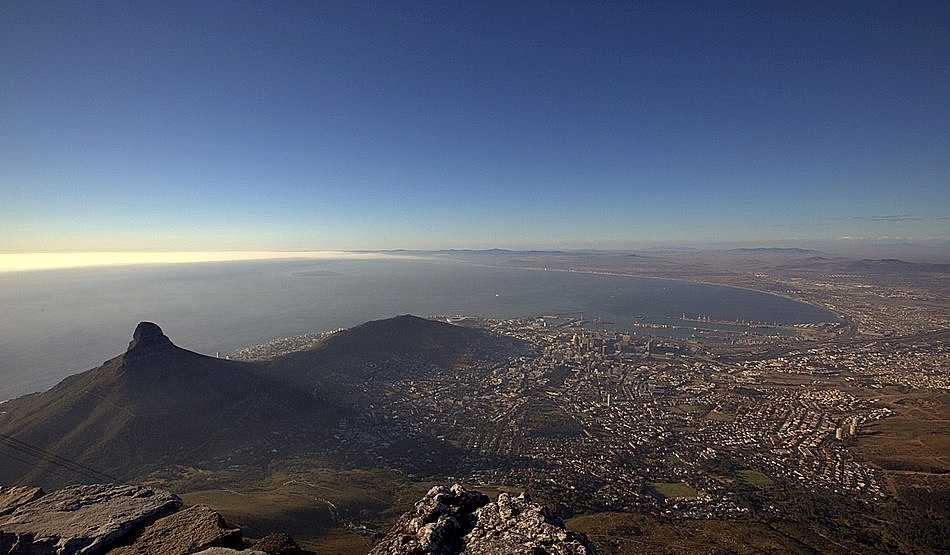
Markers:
<point>387,349</point>
<point>154,405</point>
<point>158,405</point>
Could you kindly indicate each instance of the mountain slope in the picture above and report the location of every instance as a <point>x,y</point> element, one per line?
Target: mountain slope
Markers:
<point>154,405</point>
<point>385,350</point>
<point>158,406</point>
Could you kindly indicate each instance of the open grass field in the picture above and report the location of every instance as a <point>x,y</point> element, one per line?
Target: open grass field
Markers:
<point>636,534</point>
<point>915,439</point>
<point>326,509</point>
<point>719,416</point>
<point>755,478</point>
<point>673,489</point>
<point>263,511</point>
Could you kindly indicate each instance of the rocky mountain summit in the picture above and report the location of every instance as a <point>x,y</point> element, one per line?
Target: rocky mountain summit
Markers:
<point>133,520</point>
<point>455,521</point>
<point>147,339</point>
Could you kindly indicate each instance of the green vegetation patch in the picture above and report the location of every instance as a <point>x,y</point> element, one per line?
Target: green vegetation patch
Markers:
<point>755,478</point>
<point>544,418</point>
<point>673,489</point>
<point>307,498</point>
<point>264,511</point>
<point>717,416</point>
<point>915,439</point>
<point>638,534</point>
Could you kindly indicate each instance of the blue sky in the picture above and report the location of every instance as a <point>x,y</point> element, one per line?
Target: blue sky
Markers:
<point>425,125</point>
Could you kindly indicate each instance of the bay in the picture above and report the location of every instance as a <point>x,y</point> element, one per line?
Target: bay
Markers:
<point>59,322</point>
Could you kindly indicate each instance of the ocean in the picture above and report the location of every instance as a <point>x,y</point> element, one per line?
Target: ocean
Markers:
<point>55,323</point>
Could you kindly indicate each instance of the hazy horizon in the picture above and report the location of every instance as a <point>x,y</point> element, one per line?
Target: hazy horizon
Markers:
<point>347,126</point>
<point>38,261</point>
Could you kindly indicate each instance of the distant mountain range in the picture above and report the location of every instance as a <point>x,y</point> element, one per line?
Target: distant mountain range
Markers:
<point>891,265</point>
<point>775,250</point>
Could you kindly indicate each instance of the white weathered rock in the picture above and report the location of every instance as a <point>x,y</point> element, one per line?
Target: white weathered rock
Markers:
<point>514,525</point>
<point>195,528</point>
<point>455,522</point>
<point>85,519</point>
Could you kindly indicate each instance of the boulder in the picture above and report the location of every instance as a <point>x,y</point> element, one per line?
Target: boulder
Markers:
<point>514,525</point>
<point>84,519</point>
<point>189,530</point>
<point>454,521</point>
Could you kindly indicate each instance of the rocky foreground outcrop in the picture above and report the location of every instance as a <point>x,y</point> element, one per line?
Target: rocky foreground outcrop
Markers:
<point>134,520</point>
<point>118,520</point>
<point>455,521</point>
<point>86,519</point>
<point>187,531</point>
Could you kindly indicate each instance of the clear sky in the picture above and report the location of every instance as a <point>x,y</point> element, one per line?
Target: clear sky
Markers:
<point>424,125</point>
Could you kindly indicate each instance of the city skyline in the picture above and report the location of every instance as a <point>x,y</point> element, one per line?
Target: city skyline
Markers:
<point>376,126</point>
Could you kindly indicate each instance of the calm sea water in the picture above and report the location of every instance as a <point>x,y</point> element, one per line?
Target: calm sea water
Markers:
<point>57,323</point>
